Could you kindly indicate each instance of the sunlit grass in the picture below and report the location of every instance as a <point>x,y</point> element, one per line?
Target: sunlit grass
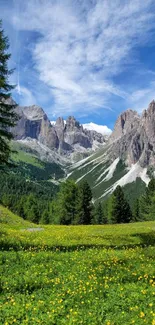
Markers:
<point>92,275</point>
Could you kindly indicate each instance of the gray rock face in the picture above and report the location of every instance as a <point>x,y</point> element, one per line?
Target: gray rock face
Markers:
<point>33,123</point>
<point>133,137</point>
<point>127,122</point>
<point>63,137</point>
<point>74,133</point>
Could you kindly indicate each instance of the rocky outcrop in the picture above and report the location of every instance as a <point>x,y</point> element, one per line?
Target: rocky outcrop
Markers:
<point>133,137</point>
<point>127,122</point>
<point>33,123</point>
<point>74,134</point>
<point>65,138</point>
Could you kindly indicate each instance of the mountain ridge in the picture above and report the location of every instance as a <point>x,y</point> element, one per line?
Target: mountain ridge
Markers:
<point>69,140</point>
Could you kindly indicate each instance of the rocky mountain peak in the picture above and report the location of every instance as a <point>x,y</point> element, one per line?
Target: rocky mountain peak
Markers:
<point>124,124</point>
<point>151,107</point>
<point>148,122</point>
<point>60,122</point>
<point>33,112</point>
<point>150,111</point>
<point>72,123</point>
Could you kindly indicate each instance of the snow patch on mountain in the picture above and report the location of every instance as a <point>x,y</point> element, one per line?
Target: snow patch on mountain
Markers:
<point>112,168</point>
<point>109,171</point>
<point>135,171</point>
<point>79,179</point>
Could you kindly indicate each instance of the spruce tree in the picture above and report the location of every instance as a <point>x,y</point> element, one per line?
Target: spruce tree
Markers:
<point>99,213</point>
<point>150,190</point>
<point>136,213</point>
<point>65,208</point>
<point>84,206</point>
<point>119,208</point>
<point>8,117</point>
<point>147,202</point>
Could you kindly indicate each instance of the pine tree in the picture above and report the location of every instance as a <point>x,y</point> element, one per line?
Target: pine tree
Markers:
<point>45,217</point>
<point>65,208</point>
<point>8,117</point>
<point>84,206</point>
<point>147,202</point>
<point>99,213</point>
<point>151,187</point>
<point>106,217</point>
<point>31,209</point>
<point>136,213</point>
<point>119,208</point>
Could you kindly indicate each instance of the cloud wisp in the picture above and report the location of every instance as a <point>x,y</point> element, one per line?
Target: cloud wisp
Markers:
<point>82,45</point>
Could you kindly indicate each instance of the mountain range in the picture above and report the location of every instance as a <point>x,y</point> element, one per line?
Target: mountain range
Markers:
<point>67,139</point>
<point>126,157</point>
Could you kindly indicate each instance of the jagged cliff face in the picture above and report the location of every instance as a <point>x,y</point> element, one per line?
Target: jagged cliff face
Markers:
<point>133,138</point>
<point>65,138</point>
<point>33,123</point>
<point>126,123</point>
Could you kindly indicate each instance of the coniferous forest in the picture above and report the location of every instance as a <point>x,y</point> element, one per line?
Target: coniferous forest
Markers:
<point>71,203</point>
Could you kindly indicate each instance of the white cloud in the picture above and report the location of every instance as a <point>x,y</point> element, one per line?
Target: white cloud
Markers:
<point>83,45</point>
<point>26,96</point>
<point>140,99</point>
<point>103,129</point>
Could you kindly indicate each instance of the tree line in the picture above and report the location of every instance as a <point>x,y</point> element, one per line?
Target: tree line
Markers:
<point>71,203</point>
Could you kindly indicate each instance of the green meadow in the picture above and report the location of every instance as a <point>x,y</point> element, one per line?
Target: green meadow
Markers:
<point>76,274</point>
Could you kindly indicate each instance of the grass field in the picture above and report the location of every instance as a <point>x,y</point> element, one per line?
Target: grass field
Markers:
<point>76,275</point>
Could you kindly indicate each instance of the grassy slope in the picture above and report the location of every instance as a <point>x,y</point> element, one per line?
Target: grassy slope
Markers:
<point>24,154</point>
<point>11,219</point>
<point>30,166</point>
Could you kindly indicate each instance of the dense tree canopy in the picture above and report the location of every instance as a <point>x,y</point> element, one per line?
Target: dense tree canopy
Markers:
<point>8,116</point>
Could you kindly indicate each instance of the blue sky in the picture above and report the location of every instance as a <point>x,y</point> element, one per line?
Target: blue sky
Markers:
<point>89,58</point>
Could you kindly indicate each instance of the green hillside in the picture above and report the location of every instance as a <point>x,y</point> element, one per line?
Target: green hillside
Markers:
<point>29,165</point>
<point>11,219</point>
<point>29,186</point>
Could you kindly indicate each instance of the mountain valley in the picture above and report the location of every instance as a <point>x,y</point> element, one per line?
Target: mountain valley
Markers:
<point>67,150</point>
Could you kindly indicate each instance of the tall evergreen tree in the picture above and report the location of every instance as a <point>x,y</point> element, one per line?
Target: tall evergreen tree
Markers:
<point>31,209</point>
<point>136,213</point>
<point>147,202</point>
<point>150,190</point>
<point>65,208</point>
<point>99,214</point>
<point>8,116</point>
<point>84,206</point>
<point>119,208</point>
